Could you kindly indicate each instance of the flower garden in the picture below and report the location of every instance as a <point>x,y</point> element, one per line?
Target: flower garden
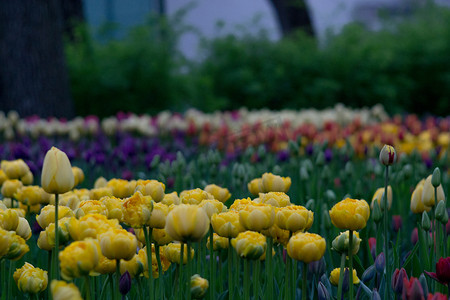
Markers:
<point>332,204</point>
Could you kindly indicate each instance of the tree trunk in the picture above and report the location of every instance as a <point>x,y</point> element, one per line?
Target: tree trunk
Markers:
<point>292,15</point>
<point>33,74</point>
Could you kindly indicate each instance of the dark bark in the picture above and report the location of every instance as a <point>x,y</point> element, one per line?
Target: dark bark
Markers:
<point>72,15</point>
<point>292,15</point>
<point>33,74</point>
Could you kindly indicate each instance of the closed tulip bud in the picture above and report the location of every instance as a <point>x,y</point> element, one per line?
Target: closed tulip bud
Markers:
<point>43,243</point>
<point>417,204</point>
<point>227,224</point>
<point>118,244</point>
<point>293,218</point>
<point>30,279</point>
<point>350,214</point>
<point>388,155</point>
<point>341,242</point>
<point>9,219</point>
<point>257,216</point>
<point>125,283</point>
<point>380,262</point>
<point>199,286</point>
<point>57,176</point>
<point>426,224</point>
<point>320,159</point>
<point>375,295</point>
<point>187,223</point>
<point>428,193</point>
<point>424,284</point>
<point>304,176</point>
<point>436,178</point>
<point>412,289</point>
<point>62,290</point>
<point>78,175</point>
<point>100,182</point>
<point>396,223</point>
<point>317,267</point>
<point>377,215</point>
<point>379,197</point>
<point>306,247</point>
<point>23,229</point>
<point>10,187</point>
<point>322,292</point>
<point>441,212</point>
<point>255,186</point>
<point>397,280</point>
<point>221,194</point>
<point>310,204</point>
<point>368,274</point>
<point>330,196</point>
<point>442,274</point>
<point>249,244</point>
<point>275,183</point>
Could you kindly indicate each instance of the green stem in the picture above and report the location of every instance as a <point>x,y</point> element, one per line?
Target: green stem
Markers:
<point>304,282</point>
<point>341,276</point>
<point>188,272</point>
<point>56,257</point>
<point>211,263</point>
<point>444,230</point>
<point>148,244</point>
<point>386,238</point>
<point>138,279</point>
<point>436,229</point>
<point>269,273</point>
<point>350,262</point>
<point>246,280</point>
<point>105,284</point>
<point>230,271</point>
<point>257,265</point>
<point>87,285</point>
<point>117,292</point>
<point>3,273</point>
<point>181,282</point>
<point>11,267</point>
<point>160,272</point>
<point>287,283</point>
<point>294,277</point>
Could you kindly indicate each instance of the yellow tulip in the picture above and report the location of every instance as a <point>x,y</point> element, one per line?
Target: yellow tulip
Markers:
<point>195,196</point>
<point>221,194</point>
<point>379,195</point>
<point>137,210</point>
<point>100,183</point>
<point>6,240</point>
<point>78,175</point>
<point>78,259</point>
<point>47,215</point>
<point>293,218</point>
<point>90,226</point>
<point>105,265</point>
<point>23,229</point>
<point>159,236</point>
<point>306,247</point>
<point>18,247</point>
<point>227,224</point>
<point>98,193</point>
<point>63,232</point>
<point>62,290</point>
<point>350,214</point>
<point>417,206</point>
<point>158,216</point>
<point>187,223</point>
<point>14,169</point>
<point>218,242</point>
<point>334,276</point>
<point>275,183</point>
<point>171,198</point>
<point>9,219</point>
<point>172,252</point>
<point>118,244</point>
<point>71,200</point>
<point>31,195</point>
<point>212,207</point>
<point>199,286</point>
<point>30,279</point>
<point>165,263</point>
<point>27,179</point>
<point>152,188</point>
<point>257,216</point>
<point>83,194</point>
<point>255,186</point>
<point>134,266</point>
<point>57,176</point>
<point>249,244</point>
<point>239,204</point>
<point>91,207</point>
<point>428,197</point>
<point>276,199</point>
<point>3,177</point>
<point>43,243</point>
<point>114,207</point>
<point>280,236</point>
<point>122,188</point>
<point>10,187</point>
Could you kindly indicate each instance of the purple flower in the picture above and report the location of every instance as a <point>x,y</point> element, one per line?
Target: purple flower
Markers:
<point>125,283</point>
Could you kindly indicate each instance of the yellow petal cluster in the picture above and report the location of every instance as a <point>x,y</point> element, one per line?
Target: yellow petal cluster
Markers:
<point>79,258</point>
<point>136,210</point>
<point>152,188</point>
<point>173,250</point>
<point>334,276</point>
<point>62,290</point>
<point>306,247</point>
<point>294,218</point>
<point>10,187</point>
<point>118,244</point>
<point>249,244</point>
<point>219,193</point>
<point>257,216</point>
<point>91,207</point>
<point>276,199</point>
<point>30,279</point>
<point>47,215</point>
<point>187,223</point>
<point>212,207</point>
<point>90,226</point>
<point>14,169</point>
<point>218,242</point>
<point>195,196</point>
<point>351,214</point>
<point>158,216</point>
<point>227,224</point>
<point>275,183</point>
<point>199,286</point>
<point>122,188</point>
<point>378,195</point>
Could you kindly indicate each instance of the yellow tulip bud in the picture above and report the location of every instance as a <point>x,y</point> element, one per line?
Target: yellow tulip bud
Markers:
<point>306,247</point>
<point>47,215</point>
<point>78,175</point>
<point>276,199</point>
<point>18,247</point>
<point>293,218</point>
<point>100,183</point>
<point>23,229</point>
<point>428,198</point>
<point>27,179</point>
<point>30,279</point>
<point>335,274</point>
<point>10,187</point>
<point>195,196</point>
<point>187,223</point>
<point>227,224</point>
<point>122,188</point>
<point>134,266</point>
<point>158,216</point>
<point>218,242</point>
<point>57,176</point>
<point>212,207</point>
<point>6,240</point>
<point>171,198</point>
<point>43,243</point>
<point>9,219</point>
<point>152,188</point>
<point>221,194</point>
<point>379,195</point>
<point>199,286</point>
<point>417,205</point>
<point>62,290</point>
<point>98,193</point>
<point>3,177</point>
<point>239,204</point>
<point>137,210</point>
<point>255,186</point>
<point>350,214</point>
<point>249,244</point>
<point>173,250</point>
<point>78,259</point>
<point>257,216</point>
<point>275,183</point>
<point>118,244</point>
<point>14,169</point>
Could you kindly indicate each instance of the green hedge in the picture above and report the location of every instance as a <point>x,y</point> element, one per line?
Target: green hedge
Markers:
<point>406,67</point>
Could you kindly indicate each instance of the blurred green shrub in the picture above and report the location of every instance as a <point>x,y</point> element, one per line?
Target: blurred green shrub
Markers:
<point>405,66</point>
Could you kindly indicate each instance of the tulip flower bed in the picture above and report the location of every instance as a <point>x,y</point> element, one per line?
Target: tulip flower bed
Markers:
<point>267,219</point>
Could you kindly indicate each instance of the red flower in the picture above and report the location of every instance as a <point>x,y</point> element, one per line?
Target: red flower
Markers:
<point>412,289</point>
<point>442,274</point>
<point>436,296</point>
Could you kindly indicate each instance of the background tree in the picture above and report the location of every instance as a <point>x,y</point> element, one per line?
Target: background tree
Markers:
<point>33,75</point>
